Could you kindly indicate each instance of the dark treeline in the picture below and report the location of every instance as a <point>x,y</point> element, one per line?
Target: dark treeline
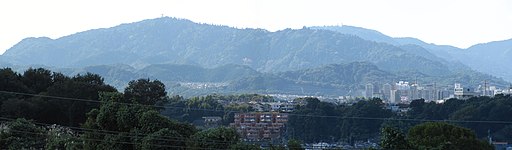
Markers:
<point>41,109</point>
<point>46,109</point>
<point>497,108</point>
<point>330,125</point>
<point>360,121</point>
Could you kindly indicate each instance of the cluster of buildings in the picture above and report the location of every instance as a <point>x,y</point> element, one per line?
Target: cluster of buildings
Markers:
<point>268,122</point>
<point>279,106</point>
<point>461,92</point>
<point>405,92</point>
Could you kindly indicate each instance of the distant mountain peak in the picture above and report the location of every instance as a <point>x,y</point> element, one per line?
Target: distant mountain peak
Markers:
<point>170,40</point>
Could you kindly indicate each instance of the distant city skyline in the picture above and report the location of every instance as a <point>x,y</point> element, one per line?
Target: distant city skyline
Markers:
<point>460,23</point>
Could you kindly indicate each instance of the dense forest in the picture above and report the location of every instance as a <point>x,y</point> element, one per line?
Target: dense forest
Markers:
<point>486,116</point>
<point>44,109</point>
<point>81,112</point>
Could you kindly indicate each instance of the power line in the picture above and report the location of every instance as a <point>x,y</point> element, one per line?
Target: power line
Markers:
<point>130,134</point>
<point>118,142</point>
<point>97,101</point>
<point>289,114</point>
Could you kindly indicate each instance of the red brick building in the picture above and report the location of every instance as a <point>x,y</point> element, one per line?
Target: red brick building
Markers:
<point>260,126</point>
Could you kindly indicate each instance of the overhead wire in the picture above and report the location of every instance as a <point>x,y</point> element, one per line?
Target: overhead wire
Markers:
<point>289,114</point>
<point>232,111</point>
<point>120,133</point>
<point>118,142</point>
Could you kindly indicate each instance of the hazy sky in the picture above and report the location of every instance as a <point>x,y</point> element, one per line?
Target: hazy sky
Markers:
<point>461,23</point>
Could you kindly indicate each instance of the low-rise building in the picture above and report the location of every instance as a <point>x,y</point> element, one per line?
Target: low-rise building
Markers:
<point>282,106</point>
<point>260,126</point>
<point>463,93</point>
<point>212,121</point>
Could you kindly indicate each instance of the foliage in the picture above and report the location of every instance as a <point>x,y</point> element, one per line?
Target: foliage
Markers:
<point>49,110</point>
<point>133,126</point>
<point>294,145</point>
<point>315,129</point>
<point>195,108</point>
<point>393,139</point>
<point>216,138</point>
<point>497,108</point>
<point>146,92</point>
<point>62,138</point>
<point>11,81</point>
<point>22,134</point>
<point>125,121</point>
<point>163,139</point>
<point>360,129</point>
<point>348,76</point>
<point>276,147</point>
<point>244,146</point>
<point>37,79</point>
<point>436,135</point>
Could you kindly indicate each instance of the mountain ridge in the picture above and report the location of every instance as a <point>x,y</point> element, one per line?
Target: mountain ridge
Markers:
<point>179,41</point>
<point>179,50</point>
<point>494,64</point>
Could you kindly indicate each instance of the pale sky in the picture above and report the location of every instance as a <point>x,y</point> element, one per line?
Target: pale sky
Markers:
<point>460,23</point>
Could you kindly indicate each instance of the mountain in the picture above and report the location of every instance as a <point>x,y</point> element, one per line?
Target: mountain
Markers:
<point>357,74</point>
<point>119,75</point>
<point>179,41</point>
<point>442,51</point>
<point>190,73</point>
<point>192,58</point>
<point>494,58</point>
<point>363,33</point>
<point>326,80</point>
<point>349,76</point>
<point>332,79</point>
<point>491,58</point>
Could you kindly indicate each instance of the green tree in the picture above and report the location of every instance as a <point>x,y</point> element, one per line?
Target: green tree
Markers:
<point>144,91</point>
<point>87,86</point>
<point>294,145</point>
<point>132,126</point>
<point>244,146</point>
<point>11,81</point>
<point>164,139</point>
<point>393,139</point>
<point>19,108</point>
<point>38,80</point>
<point>314,129</point>
<point>151,121</point>
<point>360,129</point>
<point>62,138</point>
<point>276,147</point>
<point>216,138</point>
<point>438,135</point>
<point>22,134</point>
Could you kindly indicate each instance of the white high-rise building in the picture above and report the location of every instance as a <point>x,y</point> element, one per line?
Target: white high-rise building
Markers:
<point>395,97</point>
<point>369,91</point>
<point>386,91</point>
